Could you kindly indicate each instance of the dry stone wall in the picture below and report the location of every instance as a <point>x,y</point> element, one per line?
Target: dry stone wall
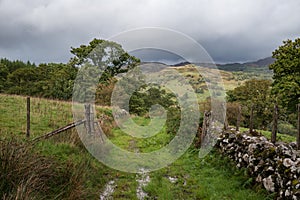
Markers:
<point>275,167</point>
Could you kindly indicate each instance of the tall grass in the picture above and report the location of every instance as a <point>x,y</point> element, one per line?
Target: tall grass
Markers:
<point>46,115</point>
<point>28,172</point>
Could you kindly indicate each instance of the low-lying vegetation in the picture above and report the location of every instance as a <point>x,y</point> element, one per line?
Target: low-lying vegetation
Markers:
<point>61,168</point>
<point>27,174</point>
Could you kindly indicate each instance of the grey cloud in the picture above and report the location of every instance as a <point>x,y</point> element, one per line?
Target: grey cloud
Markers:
<point>232,30</point>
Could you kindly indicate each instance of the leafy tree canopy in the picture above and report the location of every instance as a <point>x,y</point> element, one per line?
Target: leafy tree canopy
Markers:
<point>286,77</point>
<point>107,55</point>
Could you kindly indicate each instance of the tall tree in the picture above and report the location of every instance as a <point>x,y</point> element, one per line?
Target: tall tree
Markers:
<point>109,56</point>
<point>286,77</point>
<point>103,57</point>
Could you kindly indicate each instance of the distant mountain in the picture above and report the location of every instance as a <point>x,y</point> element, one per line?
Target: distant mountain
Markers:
<point>259,65</point>
<point>158,63</point>
<point>181,64</point>
<point>262,62</point>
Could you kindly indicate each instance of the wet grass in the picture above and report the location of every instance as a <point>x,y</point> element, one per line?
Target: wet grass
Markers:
<point>213,177</point>
<point>279,137</point>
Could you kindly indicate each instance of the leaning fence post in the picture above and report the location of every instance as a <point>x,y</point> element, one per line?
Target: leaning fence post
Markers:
<point>298,134</point>
<point>275,124</point>
<point>28,117</point>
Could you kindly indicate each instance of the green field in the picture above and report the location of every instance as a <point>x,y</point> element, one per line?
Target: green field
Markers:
<point>65,170</point>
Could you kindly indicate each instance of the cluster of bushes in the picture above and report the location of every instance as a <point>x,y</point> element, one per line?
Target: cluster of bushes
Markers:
<point>256,95</point>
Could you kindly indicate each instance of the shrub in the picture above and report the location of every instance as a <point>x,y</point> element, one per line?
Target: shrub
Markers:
<point>286,128</point>
<point>22,173</point>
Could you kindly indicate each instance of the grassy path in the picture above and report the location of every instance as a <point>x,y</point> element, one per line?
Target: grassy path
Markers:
<point>213,177</point>
<point>191,178</point>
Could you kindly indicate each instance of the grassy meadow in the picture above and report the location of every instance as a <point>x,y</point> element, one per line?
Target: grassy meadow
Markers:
<point>61,167</point>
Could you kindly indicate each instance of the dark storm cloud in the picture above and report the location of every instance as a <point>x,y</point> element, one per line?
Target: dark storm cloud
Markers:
<point>232,30</point>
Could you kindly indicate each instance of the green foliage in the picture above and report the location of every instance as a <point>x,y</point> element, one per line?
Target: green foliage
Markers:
<point>46,80</point>
<point>3,76</point>
<point>56,80</point>
<point>104,92</point>
<point>142,100</point>
<point>280,137</point>
<point>173,120</point>
<point>22,81</point>
<point>108,56</point>
<point>14,65</point>
<point>257,93</point>
<point>287,128</point>
<point>286,77</point>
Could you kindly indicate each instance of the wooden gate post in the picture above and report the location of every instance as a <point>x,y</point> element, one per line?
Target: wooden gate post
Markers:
<point>88,117</point>
<point>251,119</point>
<point>206,120</point>
<point>92,122</point>
<point>275,124</point>
<point>28,117</point>
<point>238,118</point>
<point>226,125</point>
<point>298,134</point>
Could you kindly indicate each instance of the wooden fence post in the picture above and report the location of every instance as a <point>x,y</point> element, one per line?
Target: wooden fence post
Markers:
<point>88,117</point>
<point>251,120</point>
<point>206,120</point>
<point>203,126</point>
<point>298,134</point>
<point>238,118</point>
<point>226,125</point>
<point>275,124</point>
<point>28,117</point>
<point>92,115</point>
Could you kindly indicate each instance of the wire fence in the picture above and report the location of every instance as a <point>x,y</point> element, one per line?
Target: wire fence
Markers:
<point>48,115</point>
<point>45,115</point>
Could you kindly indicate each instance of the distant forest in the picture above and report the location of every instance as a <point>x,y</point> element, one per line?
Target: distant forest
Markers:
<point>50,80</point>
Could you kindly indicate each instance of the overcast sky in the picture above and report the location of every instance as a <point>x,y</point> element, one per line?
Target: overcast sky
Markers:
<point>230,30</point>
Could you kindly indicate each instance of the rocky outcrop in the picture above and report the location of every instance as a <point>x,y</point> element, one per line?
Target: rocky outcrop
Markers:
<point>275,167</point>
